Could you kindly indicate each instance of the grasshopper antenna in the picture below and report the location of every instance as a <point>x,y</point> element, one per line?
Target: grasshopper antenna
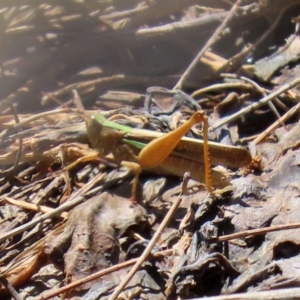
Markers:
<point>78,102</point>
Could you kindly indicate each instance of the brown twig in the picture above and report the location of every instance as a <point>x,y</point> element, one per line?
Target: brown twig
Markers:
<point>10,288</point>
<point>255,105</point>
<point>208,44</point>
<point>258,231</point>
<point>34,207</point>
<point>33,118</point>
<point>222,86</point>
<point>271,128</point>
<point>258,89</point>
<point>238,59</point>
<point>278,294</point>
<point>97,275</point>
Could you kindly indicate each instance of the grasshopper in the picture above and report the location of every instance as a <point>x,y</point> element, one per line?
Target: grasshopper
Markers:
<point>169,153</point>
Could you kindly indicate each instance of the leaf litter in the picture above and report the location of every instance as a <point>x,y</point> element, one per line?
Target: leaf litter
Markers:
<point>76,232</point>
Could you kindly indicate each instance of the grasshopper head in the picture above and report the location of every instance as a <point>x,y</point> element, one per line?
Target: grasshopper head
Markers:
<point>102,138</point>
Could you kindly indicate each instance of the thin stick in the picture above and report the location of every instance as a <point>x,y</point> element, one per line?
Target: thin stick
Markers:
<point>35,117</point>
<point>287,294</point>
<point>150,246</point>
<point>222,86</point>
<point>34,207</point>
<point>271,128</point>
<point>213,38</point>
<point>97,275</point>
<point>258,231</point>
<point>258,88</point>
<point>10,288</point>
<point>240,57</point>
<point>255,105</point>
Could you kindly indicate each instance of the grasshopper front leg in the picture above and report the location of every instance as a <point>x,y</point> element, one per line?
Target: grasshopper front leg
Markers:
<point>136,168</point>
<point>126,158</point>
